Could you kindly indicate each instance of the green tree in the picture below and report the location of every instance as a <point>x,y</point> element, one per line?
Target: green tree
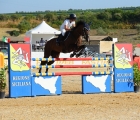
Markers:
<point>29,17</point>
<point>39,17</point>
<point>23,26</point>
<point>61,17</point>
<point>15,17</point>
<point>4,17</point>
<point>138,28</point>
<point>50,17</point>
<point>104,16</point>
<point>117,16</point>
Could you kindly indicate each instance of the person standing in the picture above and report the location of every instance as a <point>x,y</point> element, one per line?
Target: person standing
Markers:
<point>42,42</point>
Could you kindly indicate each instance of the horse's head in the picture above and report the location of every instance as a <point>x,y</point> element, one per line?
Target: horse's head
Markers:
<point>83,29</point>
<point>86,30</point>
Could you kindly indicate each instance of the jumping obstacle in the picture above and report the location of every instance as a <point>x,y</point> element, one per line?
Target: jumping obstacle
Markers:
<point>86,76</point>
<point>73,66</point>
<point>25,83</point>
<point>72,73</point>
<point>71,59</point>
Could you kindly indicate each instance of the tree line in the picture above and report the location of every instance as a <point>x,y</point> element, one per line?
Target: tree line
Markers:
<point>117,18</point>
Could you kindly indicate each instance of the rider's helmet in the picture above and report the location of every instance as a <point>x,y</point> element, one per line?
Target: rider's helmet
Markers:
<point>72,16</point>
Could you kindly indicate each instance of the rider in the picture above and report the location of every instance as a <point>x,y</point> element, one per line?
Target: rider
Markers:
<point>67,25</point>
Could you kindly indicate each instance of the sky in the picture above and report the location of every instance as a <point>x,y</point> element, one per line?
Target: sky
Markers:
<point>11,6</point>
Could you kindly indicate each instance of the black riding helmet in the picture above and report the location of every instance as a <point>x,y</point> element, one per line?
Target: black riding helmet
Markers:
<point>72,16</point>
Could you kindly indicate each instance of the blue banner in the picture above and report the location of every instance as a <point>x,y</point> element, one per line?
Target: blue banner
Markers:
<point>19,84</point>
<point>96,84</point>
<point>123,80</point>
<point>46,85</point>
<point>19,70</point>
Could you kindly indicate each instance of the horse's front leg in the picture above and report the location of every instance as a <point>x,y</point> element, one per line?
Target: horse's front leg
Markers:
<point>75,49</point>
<point>72,48</point>
<point>80,50</point>
<point>42,63</point>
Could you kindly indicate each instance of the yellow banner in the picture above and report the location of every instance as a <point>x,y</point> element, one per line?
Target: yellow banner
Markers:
<point>17,60</point>
<point>121,59</point>
<point>1,60</point>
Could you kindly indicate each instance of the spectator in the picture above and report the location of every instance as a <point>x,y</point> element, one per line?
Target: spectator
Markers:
<point>37,43</point>
<point>42,42</point>
<point>46,41</point>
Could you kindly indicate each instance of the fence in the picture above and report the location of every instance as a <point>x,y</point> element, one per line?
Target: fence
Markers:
<point>33,84</point>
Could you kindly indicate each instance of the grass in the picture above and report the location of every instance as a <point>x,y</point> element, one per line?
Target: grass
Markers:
<point>5,32</point>
<point>123,35</point>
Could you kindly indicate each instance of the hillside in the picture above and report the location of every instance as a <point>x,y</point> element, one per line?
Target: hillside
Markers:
<point>123,35</point>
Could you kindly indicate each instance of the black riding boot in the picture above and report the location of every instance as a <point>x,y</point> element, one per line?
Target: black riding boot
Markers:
<point>59,39</point>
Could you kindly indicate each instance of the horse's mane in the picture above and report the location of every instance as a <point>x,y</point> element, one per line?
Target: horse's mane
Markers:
<point>79,23</point>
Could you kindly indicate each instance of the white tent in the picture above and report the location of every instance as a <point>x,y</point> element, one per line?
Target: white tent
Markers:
<point>43,30</point>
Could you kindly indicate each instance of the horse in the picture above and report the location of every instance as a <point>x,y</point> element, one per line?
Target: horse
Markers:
<point>71,44</point>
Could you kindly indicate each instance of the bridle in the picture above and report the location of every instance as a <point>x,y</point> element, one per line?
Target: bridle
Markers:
<point>84,34</point>
<point>85,29</point>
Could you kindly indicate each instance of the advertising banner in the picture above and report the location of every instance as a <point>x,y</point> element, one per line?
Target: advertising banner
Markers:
<point>96,84</point>
<point>123,56</point>
<point>123,68</point>
<point>19,70</point>
<point>46,85</point>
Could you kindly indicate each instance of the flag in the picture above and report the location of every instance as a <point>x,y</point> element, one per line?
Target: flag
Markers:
<point>27,39</point>
<point>6,39</point>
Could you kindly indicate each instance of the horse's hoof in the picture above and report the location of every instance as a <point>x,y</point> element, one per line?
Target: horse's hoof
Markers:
<point>71,55</point>
<point>77,56</point>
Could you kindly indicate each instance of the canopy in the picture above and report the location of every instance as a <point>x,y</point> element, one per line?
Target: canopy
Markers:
<point>43,30</point>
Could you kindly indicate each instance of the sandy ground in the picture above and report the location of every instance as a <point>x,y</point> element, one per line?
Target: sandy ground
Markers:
<point>72,105</point>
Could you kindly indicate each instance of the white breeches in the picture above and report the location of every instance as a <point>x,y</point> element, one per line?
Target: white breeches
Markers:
<point>63,31</point>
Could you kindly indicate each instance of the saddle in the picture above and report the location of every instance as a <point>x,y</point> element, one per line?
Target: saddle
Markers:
<point>62,38</point>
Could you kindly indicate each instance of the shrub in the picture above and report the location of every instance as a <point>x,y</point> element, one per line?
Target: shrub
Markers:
<point>136,75</point>
<point>11,25</point>
<point>100,31</point>
<point>138,28</point>
<point>3,77</point>
<point>14,33</point>
<point>23,26</point>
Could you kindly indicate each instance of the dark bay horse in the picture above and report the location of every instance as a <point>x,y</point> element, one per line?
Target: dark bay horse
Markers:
<point>71,44</point>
